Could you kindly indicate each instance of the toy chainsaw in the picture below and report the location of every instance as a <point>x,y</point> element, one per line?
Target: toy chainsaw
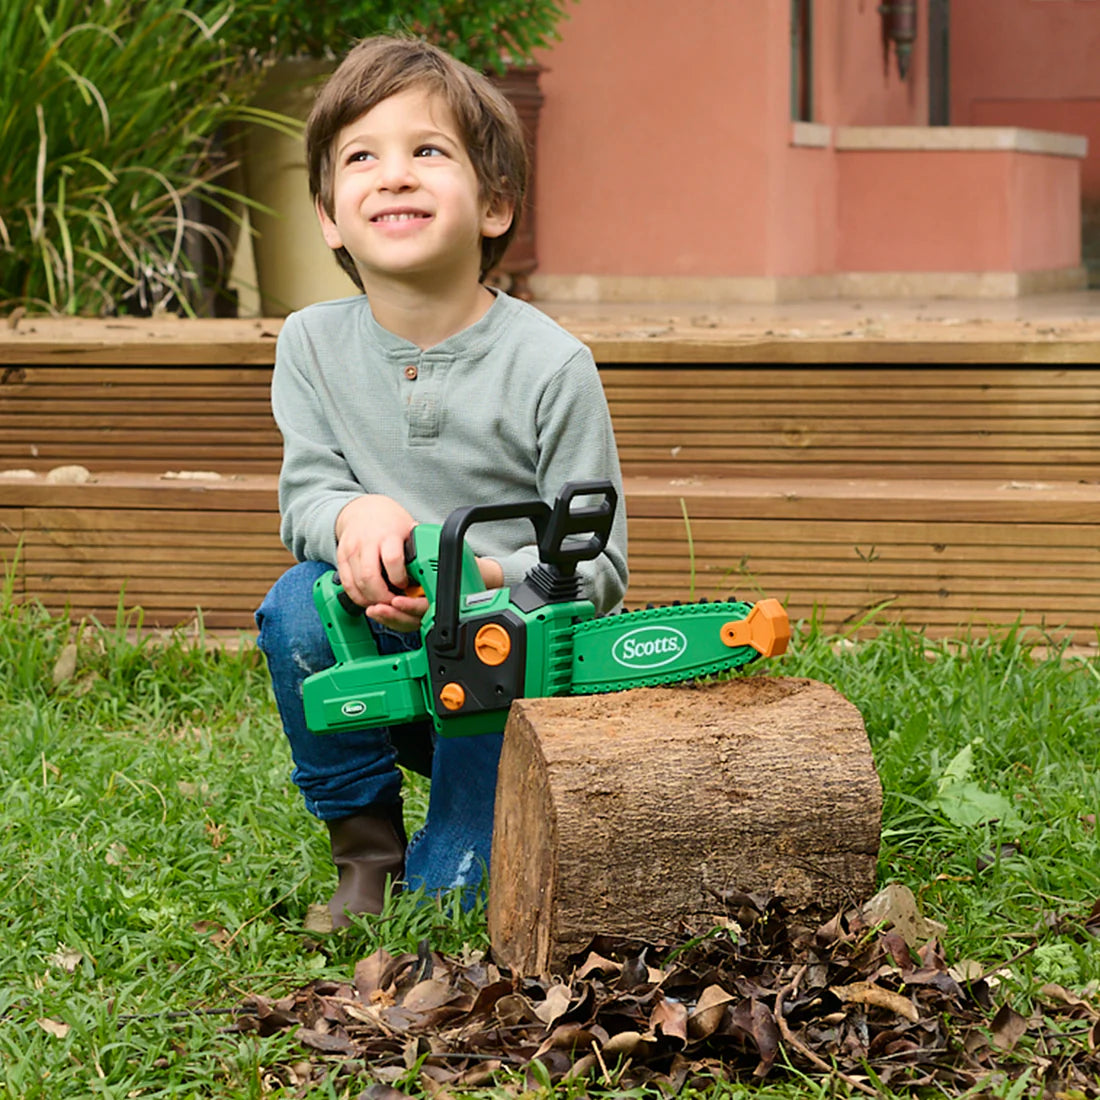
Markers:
<point>483,648</point>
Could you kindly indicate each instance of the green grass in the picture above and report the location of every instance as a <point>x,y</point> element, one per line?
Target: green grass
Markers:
<point>156,865</point>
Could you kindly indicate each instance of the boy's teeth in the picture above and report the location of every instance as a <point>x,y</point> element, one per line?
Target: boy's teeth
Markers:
<point>397,217</point>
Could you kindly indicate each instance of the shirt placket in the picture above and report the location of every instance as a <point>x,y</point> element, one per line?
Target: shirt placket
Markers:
<point>423,383</point>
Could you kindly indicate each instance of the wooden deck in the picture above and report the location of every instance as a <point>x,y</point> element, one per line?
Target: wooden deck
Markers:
<point>954,483</point>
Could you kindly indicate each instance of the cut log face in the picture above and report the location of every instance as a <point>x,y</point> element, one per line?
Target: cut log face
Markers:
<point>621,815</point>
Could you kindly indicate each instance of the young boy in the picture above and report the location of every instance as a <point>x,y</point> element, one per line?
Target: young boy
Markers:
<point>425,393</point>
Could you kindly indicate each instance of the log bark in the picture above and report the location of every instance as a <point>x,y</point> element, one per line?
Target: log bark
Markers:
<point>624,814</point>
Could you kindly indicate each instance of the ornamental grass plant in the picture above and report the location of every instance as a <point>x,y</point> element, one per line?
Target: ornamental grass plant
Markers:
<point>109,114</point>
<point>121,121</point>
<point>157,867</point>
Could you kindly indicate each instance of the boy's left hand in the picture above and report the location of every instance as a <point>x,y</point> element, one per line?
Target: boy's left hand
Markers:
<point>402,613</point>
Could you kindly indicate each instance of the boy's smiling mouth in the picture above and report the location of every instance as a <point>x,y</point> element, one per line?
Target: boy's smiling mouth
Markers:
<point>402,214</point>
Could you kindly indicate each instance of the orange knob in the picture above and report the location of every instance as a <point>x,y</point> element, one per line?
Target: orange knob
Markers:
<point>452,696</point>
<point>492,644</point>
<point>766,629</point>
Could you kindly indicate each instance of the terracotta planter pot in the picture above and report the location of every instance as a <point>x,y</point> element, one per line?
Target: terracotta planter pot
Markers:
<point>521,86</point>
<point>294,266</point>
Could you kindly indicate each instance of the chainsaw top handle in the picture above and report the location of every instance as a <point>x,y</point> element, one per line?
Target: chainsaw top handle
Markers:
<point>593,520</point>
<point>552,529</point>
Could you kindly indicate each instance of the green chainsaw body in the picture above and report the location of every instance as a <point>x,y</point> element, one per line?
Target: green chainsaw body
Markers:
<point>482,648</point>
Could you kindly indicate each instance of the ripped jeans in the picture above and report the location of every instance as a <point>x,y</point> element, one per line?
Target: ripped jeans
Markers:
<point>343,773</point>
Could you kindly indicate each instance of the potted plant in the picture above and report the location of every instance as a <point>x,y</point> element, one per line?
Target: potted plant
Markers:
<point>108,113</point>
<point>296,43</point>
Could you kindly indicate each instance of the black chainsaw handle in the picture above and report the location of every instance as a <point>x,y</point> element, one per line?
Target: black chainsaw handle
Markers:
<point>452,537</point>
<point>552,529</point>
<point>566,521</point>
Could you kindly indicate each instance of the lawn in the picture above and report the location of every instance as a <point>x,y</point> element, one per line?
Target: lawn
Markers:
<point>158,868</point>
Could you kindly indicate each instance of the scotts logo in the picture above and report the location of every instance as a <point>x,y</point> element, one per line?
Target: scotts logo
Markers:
<point>353,709</point>
<point>649,647</point>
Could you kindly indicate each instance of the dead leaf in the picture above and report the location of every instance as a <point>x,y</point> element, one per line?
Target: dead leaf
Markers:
<point>383,1092</point>
<point>1008,1027</point>
<point>369,973</point>
<point>326,1043</point>
<point>896,906</point>
<point>116,854</point>
<point>596,964</point>
<point>1060,993</point>
<point>515,1009</point>
<point>426,995</point>
<point>215,932</point>
<point>318,918</point>
<point>669,1018</point>
<point>56,1028</point>
<point>555,1005</point>
<point>65,958</point>
<point>867,993</point>
<point>707,1015</point>
<point>623,1044</point>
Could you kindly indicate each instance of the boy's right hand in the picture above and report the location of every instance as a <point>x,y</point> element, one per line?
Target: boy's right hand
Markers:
<point>370,547</point>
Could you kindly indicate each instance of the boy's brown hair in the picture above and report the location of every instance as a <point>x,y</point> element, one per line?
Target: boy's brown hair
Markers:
<point>380,67</point>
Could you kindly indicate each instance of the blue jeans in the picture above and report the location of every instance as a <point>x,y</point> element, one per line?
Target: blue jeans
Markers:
<point>344,773</point>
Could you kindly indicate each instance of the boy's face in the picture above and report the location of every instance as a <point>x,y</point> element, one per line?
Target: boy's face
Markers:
<point>406,201</point>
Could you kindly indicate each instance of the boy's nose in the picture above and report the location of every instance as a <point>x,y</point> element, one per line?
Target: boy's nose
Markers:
<point>397,174</point>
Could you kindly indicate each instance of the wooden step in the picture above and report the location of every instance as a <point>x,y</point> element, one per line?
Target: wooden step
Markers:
<point>942,555</point>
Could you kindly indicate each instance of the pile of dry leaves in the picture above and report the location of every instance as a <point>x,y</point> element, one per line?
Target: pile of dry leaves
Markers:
<point>760,994</point>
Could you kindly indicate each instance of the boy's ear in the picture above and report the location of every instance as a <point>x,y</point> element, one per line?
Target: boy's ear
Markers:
<point>328,227</point>
<point>497,217</point>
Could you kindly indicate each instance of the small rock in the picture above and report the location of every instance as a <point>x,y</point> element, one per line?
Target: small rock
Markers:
<point>69,475</point>
<point>65,666</point>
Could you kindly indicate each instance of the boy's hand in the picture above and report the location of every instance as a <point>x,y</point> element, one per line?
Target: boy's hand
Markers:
<point>370,547</point>
<point>492,576</point>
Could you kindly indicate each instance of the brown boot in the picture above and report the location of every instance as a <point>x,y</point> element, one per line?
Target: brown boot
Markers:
<point>367,848</point>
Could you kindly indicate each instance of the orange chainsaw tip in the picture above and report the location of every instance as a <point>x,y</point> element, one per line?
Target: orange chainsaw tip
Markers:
<point>766,628</point>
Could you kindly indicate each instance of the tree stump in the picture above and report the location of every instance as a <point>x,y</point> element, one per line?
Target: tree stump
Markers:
<point>622,814</point>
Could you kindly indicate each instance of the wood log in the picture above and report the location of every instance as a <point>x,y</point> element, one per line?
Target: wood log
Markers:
<point>622,815</point>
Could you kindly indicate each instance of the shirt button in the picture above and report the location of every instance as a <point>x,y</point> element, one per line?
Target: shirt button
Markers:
<point>411,373</point>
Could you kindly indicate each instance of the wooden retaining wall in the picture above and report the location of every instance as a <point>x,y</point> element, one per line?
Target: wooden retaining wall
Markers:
<point>948,493</point>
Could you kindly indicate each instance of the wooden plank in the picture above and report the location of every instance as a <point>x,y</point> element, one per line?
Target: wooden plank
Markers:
<point>50,552</point>
<point>855,420</point>
<point>63,411</point>
<point>865,337</point>
<point>814,536</point>
<point>79,387</point>
<point>980,380</point>
<point>151,371</point>
<point>184,525</point>
<point>162,340</point>
<point>1077,574</point>
<point>917,352</point>
<point>110,491</point>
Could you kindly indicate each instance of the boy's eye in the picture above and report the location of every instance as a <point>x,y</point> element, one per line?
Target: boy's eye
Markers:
<point>358,156</point>
<point>429,151</point>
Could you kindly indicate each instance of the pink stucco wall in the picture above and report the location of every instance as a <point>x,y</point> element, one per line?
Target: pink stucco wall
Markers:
<point>664,142</point>
<point>1033,63</point>
<point>857,80</point>
<point>665,149</point>
<point>653,139</point>
<point>956,211</point>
